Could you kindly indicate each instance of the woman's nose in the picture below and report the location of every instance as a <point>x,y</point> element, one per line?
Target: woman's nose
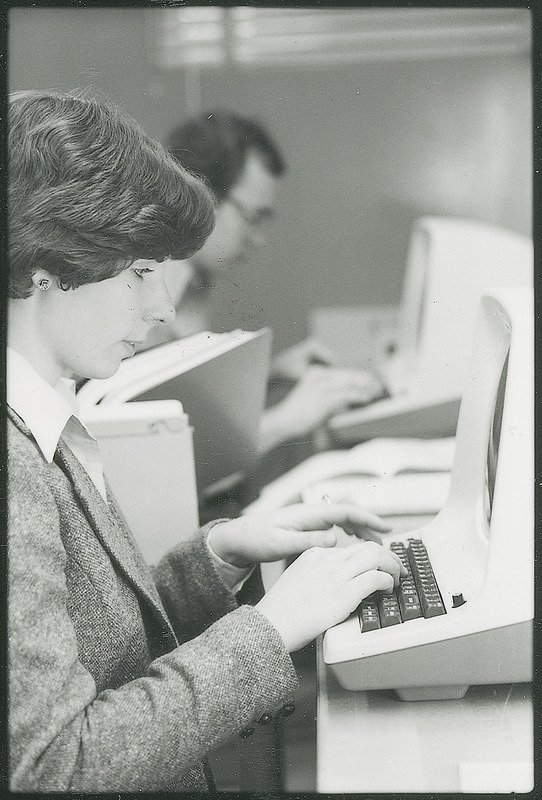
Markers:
<point>160,309</point>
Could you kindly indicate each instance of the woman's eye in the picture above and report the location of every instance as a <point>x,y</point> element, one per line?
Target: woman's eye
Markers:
<point>140,271</point>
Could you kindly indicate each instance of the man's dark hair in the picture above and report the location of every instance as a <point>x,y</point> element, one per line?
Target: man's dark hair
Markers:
<point>215,146</point>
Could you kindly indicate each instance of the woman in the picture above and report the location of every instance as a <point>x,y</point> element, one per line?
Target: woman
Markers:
<point>120,680</point>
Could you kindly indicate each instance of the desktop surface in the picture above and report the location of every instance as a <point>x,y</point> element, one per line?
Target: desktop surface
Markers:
<point>369,741</point>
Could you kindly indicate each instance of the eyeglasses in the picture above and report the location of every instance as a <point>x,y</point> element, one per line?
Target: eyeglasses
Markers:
<point>253,218</point>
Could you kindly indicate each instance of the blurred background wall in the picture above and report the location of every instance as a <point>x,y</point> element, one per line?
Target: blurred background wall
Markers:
<point>371,144</point>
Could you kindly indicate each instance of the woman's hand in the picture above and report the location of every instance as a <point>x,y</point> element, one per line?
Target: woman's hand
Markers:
<point>289,531</point>
<point>323,586</point>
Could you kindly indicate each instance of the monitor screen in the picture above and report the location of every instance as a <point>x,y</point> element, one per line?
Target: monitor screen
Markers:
<point>493,444</point>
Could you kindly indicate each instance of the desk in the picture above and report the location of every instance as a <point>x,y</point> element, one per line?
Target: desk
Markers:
<point>370,741</point>
<point>373,742</point>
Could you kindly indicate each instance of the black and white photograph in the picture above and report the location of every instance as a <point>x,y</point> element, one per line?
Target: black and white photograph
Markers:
<point>270,398</point>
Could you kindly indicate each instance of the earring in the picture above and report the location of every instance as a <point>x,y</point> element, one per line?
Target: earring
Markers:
<point>44,284</point>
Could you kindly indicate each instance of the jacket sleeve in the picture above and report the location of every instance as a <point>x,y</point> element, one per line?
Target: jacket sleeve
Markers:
<point>145,733</point>
<point>190,587</point>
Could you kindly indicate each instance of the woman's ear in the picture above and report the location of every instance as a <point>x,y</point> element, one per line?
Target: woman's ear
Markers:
<point>42,280</point>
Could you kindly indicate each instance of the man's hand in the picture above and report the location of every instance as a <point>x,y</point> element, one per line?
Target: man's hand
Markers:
<point>292,363</point>
<point>321,392</point>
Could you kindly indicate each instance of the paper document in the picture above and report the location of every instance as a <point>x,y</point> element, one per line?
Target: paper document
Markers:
<point>377,458</point>
<point>399,495</point>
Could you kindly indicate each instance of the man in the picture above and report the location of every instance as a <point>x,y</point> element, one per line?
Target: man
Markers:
<point>242,166</point>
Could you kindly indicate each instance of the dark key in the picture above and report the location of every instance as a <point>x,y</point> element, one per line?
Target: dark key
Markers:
<point>409,603</point>
<point>429,595</point>
<point>432,607</point>
<point>369,618</point>
<point>389,611</point>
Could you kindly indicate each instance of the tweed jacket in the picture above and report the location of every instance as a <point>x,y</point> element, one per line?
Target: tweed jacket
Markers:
<point>119,680</point>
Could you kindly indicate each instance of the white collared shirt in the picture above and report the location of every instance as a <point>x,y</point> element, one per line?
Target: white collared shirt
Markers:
<point>50,413</point>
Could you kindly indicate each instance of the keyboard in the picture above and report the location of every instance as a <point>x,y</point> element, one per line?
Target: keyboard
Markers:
<point>416,596</point>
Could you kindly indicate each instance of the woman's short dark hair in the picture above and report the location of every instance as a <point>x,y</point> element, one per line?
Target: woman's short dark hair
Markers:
<point>215,146</point>
<point>90,192</point>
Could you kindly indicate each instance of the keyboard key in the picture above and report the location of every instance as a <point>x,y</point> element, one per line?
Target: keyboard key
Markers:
<point>410,606</point>
<point>388,608</point>
<point>432,608</point>
<point>417,595</point>
<point>368,616</point>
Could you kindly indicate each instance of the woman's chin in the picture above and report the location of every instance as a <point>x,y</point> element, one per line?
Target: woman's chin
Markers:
<point>103,371</point>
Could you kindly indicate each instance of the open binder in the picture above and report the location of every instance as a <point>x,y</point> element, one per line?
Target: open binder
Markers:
<point>220,380</point>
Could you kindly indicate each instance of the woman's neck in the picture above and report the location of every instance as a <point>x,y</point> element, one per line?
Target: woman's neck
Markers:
<point>25,337</point>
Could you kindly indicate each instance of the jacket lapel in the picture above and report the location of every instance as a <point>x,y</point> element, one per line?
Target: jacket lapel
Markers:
<point>111,531</point>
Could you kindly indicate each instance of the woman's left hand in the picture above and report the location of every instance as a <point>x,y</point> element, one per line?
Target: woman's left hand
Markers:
<point>289,531</point>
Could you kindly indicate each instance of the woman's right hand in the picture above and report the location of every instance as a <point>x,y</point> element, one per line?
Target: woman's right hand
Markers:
<point>324,585</point>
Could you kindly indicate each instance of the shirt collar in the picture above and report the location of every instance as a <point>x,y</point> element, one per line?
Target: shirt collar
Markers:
<point>44,408</point>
